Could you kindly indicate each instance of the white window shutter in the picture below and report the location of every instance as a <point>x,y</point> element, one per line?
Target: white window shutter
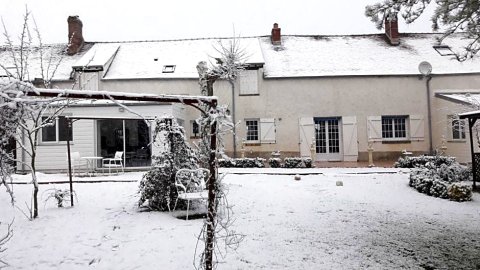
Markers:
<point>374,128</point>
<point>350,138</point>
<point>248,81</point>
<point>267,130</point>
<point>306,134</point>
<point>417,127</point>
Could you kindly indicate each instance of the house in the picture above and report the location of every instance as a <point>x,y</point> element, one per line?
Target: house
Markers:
<point>336,93</point>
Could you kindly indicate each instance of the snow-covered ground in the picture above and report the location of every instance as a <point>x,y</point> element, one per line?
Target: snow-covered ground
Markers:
<point>373,221</point>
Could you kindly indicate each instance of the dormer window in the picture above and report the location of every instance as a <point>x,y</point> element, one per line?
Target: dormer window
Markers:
<point>168,69</point>
<point>443,50</point>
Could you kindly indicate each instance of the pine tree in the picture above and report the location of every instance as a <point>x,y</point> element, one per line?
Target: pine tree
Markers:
<point>450,16</point>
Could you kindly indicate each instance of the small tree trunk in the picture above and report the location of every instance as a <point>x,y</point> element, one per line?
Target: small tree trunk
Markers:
<point>35,184</point>
<point>209,243</point>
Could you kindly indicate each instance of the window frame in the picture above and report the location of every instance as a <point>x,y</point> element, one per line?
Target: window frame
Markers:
<point>194,135</point>
<point>462,128</point>
<point>56,125</point>
<point>393,128</point>
<point>257,121</point>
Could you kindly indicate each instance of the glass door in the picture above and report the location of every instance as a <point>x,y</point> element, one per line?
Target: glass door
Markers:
<point>132,137</point>
<point>327,139</point>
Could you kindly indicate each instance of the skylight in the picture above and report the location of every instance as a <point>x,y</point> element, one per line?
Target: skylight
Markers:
<point>168,69</point>
<point>443,50</point>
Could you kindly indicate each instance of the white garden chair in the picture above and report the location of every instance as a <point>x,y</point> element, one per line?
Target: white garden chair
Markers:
<point>76,161</point>
<point>191,185</point>
<point>113,163</point>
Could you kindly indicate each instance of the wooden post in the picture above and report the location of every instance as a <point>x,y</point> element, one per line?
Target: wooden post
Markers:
<point>69,132</point>
<point>209,243</point>
<point>471,122</point>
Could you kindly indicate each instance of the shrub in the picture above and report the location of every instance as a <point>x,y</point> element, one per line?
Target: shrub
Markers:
<point>157,187</point>
<point>440,177</point>
<point>297,162</point>
<point>242,163</point>
<point>459,192</point>
<point>422,161</point>
<point>275,162</point>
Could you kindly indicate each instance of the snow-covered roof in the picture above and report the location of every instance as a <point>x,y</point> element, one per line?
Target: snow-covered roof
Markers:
<point>142,60</point>
<point>55,61</point>
<point>98,56</point>
<point>468,97</point>
<point>297,56</point>
<point>305,56</point>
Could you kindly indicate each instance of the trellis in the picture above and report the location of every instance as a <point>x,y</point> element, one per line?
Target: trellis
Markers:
<point>207,105</point>
<point>472,118</point>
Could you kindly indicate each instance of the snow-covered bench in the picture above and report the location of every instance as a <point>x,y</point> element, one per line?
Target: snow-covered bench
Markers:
<point>191,185</point>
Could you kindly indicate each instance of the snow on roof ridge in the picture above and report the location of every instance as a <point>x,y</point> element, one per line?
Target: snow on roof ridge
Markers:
<point>171,40</point>
<point>264,36</point>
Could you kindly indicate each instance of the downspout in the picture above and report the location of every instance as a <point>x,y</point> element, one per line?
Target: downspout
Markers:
<point>429,107</point>
<point>233,120</point>
<point>23,151</point>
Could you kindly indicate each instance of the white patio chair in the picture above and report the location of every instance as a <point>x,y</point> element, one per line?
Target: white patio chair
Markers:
<point>116,162</point>
<point>191,185</point>
<point>76,161</point>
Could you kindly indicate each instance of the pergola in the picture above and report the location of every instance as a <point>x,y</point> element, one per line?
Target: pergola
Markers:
<point>207,105</point>
<point>472,118</point>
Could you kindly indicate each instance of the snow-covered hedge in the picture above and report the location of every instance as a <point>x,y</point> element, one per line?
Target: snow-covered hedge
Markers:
<point>441,177</point>
<point>242,163</point>
<point>297,162</point>
<point>290,162</point>
<point>421,161</point>
<point>275,162</point>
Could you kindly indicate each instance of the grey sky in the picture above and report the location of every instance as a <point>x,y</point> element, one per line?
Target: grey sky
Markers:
<point>117,20</point>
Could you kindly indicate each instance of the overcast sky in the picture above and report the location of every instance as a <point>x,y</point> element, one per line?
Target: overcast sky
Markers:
<point>117,20</point>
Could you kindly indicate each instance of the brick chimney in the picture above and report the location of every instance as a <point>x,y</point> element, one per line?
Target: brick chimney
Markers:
<point>391,29</point>
<point>75,36</point>
<point>276,35</point>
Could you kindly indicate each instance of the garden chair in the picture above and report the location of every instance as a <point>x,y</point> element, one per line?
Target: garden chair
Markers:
<point>116,162</point>
<point>191,186</point>
<point>76,161</point>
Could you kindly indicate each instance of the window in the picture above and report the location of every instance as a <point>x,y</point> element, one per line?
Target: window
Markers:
<point>443,50</point>
<point>252,130</point>
<point>248,81</point>
<point>57,131</point>
<point>168,69</point>
<point>195,129</point>
<point>394,127</point>
<point>458,128</point>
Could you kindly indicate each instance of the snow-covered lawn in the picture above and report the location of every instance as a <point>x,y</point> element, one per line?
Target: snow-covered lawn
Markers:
<point>372,221</point>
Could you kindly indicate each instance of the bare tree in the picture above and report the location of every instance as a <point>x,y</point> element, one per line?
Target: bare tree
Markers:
<point>3,240</point>
<point>453,15</point>
<point>26,115</point>
<point>213,124</point>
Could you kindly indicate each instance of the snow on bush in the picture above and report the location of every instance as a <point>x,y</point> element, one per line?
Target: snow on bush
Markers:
<point>421,161</point>
<point>297,162</point>
<point>157,187</point>
<point>440,177</point>
<point>275,162</point>
<point>242,163</point>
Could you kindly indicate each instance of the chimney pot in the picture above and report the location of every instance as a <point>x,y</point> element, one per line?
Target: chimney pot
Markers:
<point>276,35</point>
<point>391,29</point>
<point>75,35</point>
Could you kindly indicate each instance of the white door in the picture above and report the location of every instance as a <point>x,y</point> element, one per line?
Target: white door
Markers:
<point>328,139</point>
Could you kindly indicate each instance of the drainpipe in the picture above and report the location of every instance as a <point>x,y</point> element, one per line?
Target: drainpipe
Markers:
<point>429,107</point>
<point>23,151</point>
<point>233,120</point>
